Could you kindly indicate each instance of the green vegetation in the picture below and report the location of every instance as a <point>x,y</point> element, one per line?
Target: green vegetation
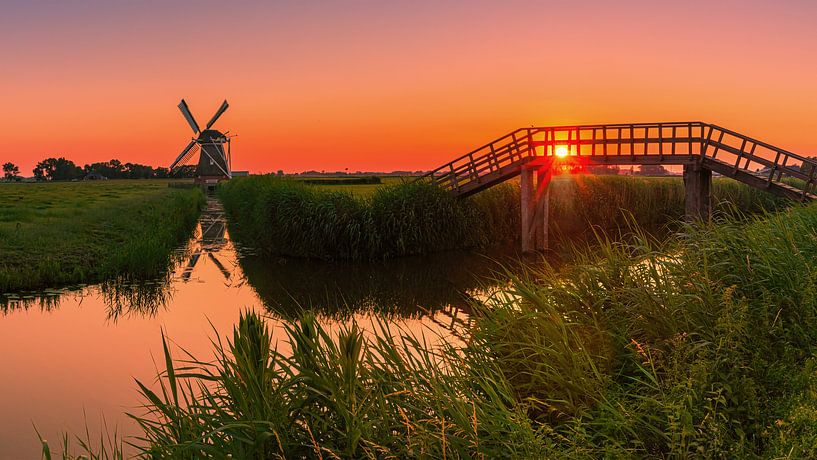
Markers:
<point>57,234</point>
<point>364,190</point>
<point>367,180</point>
<point>700,345</point>
<point>286,217</point>
<point>580,203</point>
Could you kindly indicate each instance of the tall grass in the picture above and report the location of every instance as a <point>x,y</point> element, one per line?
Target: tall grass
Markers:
<point>580,203</point>
<point>700,345</point>
<point>286,217</point>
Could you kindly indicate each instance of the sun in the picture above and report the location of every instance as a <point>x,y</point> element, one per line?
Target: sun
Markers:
<point>561,151</point>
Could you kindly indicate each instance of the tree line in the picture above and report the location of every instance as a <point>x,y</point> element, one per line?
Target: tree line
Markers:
<point>61,169</point>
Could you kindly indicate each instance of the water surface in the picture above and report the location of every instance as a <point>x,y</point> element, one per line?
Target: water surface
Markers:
<point>70,357</point>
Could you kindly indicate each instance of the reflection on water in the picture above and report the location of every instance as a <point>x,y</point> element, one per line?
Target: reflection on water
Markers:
<point>78,350</point>
<point>403,287</point>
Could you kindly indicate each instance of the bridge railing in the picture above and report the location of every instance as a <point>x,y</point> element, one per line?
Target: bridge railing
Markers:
<point>633,143</point>
<point>773,164</point>
<point>620,140</point>
<point>493,157</point>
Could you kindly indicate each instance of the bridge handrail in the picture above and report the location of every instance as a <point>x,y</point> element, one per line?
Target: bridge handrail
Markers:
<point>703,140</point>
<point>476,150</point>
<point>764,144</point>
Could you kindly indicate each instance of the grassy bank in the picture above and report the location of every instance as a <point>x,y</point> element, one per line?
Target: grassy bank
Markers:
<point>702,345</point>
<point>286,217</point>
<point>55,234</point>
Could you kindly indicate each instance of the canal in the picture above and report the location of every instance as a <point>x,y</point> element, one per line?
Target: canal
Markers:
<point>70,356</point>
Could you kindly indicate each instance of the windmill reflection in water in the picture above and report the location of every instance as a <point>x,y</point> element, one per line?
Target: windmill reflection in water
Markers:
<point>210,240</point>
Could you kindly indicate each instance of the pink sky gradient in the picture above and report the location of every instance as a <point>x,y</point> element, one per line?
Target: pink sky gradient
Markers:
<point>387,85</point>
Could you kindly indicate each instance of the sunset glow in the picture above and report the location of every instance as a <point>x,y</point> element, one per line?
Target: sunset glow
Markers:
<point>391,85</point>
<point>561,151</point>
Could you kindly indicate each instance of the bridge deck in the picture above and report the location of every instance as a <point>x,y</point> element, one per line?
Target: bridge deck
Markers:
<point>717,149</point>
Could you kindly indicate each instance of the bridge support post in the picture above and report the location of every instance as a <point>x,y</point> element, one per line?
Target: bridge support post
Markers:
<point>698,192</point>
<point>535,194</point>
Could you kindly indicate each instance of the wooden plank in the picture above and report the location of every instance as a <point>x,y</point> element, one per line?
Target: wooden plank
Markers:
<point>717,145</point>
<point>674,133</point>
<point>646,140</point>
<point>660,141</point>
<point>706,142</point>
<point>593,151</point>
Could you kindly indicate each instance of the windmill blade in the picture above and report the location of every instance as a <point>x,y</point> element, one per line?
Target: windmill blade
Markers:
<point>189,116</point>
<point>188,271</point>
<point>220,266</point>
<point>182,155</point>
<point>222,109</point>
<point>189,155</point>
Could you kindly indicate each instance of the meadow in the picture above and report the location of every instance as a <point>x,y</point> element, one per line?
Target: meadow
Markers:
<point>371,222</point>
<point>698,345</point>
<point>56,234</point>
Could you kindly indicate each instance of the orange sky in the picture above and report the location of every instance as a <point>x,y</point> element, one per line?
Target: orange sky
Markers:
<point>378,85</point>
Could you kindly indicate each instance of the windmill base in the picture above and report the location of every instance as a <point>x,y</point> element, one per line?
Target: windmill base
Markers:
<point>209,183</point>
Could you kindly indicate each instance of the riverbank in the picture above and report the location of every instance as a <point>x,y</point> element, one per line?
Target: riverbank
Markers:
<point>56,234</point>
<point>285,217</point>
<point>699,345</point>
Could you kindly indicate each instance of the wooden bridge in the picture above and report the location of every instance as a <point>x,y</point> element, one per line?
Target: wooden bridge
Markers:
<point>701,148</point>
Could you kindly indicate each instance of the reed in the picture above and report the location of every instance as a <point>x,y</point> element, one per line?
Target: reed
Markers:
<point>289,218</point>
<point>285,217</point>
<point>698,345</point>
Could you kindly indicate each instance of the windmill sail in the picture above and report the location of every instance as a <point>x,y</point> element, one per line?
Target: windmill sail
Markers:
<point>186,154</point>
<point>222,109</point>
<point>189,116</point>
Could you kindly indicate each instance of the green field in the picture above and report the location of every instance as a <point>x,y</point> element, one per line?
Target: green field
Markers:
<point>366,189</point>
<point>54,234</point>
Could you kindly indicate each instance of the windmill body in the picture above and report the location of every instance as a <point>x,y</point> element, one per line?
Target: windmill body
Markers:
<point>212,147</point>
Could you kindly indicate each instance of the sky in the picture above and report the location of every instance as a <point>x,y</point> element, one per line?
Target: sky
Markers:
<point>390,85</point>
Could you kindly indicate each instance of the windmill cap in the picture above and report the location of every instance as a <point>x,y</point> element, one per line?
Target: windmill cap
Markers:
<point>210,135</point>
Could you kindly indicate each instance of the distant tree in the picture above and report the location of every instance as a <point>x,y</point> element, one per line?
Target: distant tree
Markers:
<point>280,172</point>
<point>137,171</point>
<point>57,169</point>
<point>603,169</point>
<point>39,172</point>
<point>161,173</point>
<point>113,169</point>
<point>653,170</point>
<point>11,172</point>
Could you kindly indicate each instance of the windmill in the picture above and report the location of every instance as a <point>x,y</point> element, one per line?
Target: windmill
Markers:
<point>214,160</point>
<point>209,242</point>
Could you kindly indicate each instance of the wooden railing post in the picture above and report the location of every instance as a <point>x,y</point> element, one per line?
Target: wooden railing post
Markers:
<point>773,169</point>
<point>526,195</point>
<point>660,141</point>
<point>705,143</point>
<point>698,191</point>
<point>809,182</point>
